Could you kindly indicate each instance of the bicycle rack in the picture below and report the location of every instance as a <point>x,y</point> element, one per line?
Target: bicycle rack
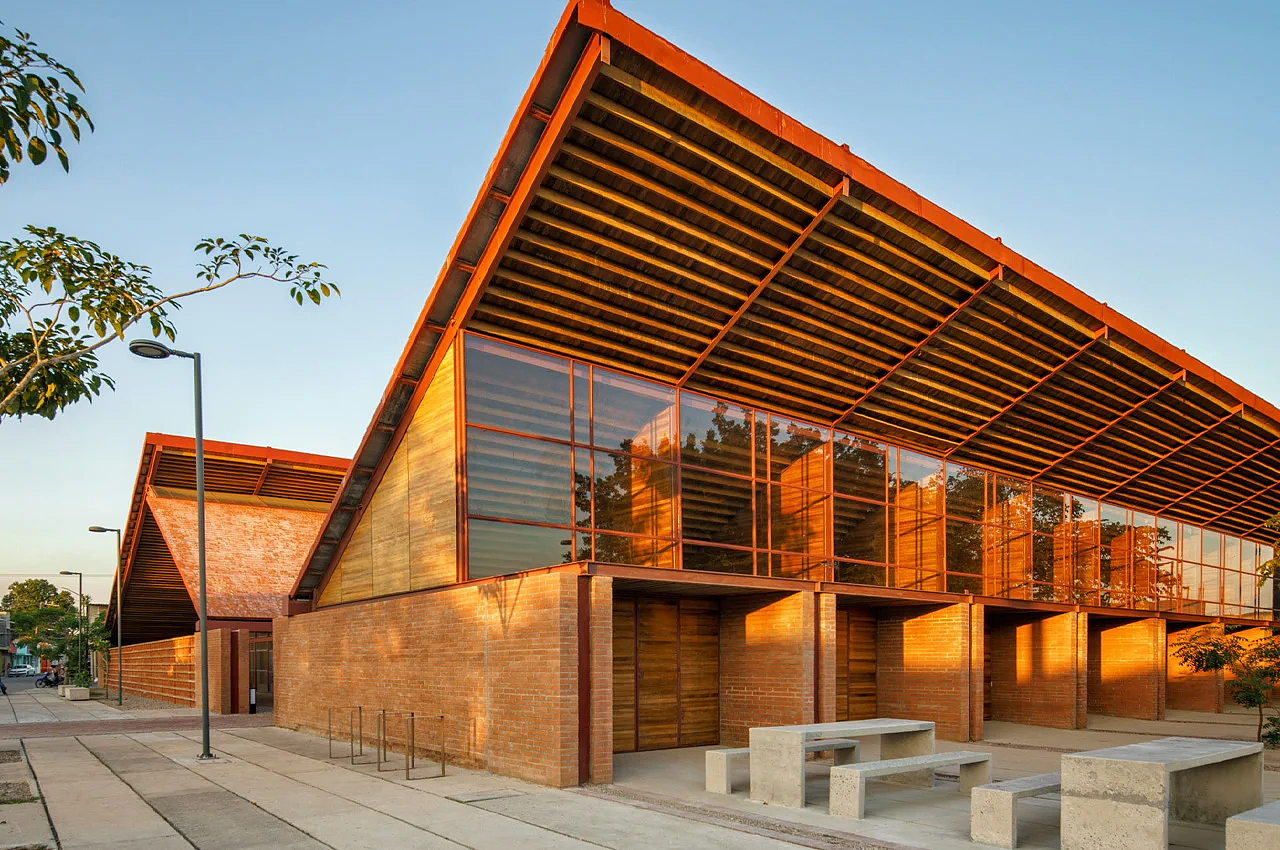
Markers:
<point>411,724</point>
<point>355,715</point>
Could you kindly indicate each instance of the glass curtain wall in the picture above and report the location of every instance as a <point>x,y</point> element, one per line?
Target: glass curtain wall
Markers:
<point>570,462</point>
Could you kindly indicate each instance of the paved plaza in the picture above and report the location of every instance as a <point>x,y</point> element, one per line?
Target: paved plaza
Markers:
<point>107,778</point>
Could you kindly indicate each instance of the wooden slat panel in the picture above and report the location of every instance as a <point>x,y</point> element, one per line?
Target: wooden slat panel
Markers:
<point>699,672</point>
<point>390,543</point>
<point>624,675</point>
<point>356,566</point>
<point>433,494</point>
<point>862,664</point>
<point>842,664</point>
<point>657,621</point>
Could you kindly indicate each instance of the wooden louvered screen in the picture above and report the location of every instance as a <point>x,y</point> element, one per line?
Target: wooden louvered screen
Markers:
<point>855,664</point>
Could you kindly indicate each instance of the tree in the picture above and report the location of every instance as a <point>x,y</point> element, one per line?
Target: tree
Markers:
<point>1255,665</point>
<point>39,613</point>
<point>1270,568</point>
<point>34,594</point>
<point>63,298</point>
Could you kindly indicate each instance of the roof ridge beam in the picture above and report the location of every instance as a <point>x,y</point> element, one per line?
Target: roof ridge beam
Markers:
<point>1175,380</point>
<point>993,276</point>
<point>1239,410</point>
<point>839,191</point>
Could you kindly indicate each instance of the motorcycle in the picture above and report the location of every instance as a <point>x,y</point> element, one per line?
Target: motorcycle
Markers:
<point>47,680</point>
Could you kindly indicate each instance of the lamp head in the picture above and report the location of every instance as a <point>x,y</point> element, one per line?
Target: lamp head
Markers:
<point>150,348</point>
<point>97,529</point>
<point>68,573</point>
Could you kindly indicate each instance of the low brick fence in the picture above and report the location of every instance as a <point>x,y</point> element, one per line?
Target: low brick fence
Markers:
<point>161,669</point>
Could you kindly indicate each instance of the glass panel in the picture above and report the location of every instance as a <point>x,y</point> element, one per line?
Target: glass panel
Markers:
<point>1168,575</point>
<point>715,434</point>
<point>916,482</point>
<point>859,530</point>
<point>499,548</point>
<point>717,560</point>
<point>637,551</point>
<point>1007,562</point>
<point>861,573</point>
<point>715,508</point>
<point>632,415</point>
<point>859,467</point>
<point>1113,576</point>
<point>798,453</point>
<point>1084,510</point>
<point>1045,557</point>
<point>1266,593</point>
<point>1231,588</point>
<point>1011,505</point>
<point>1249,557</point>
<point>516,389</point>
<point>633,495</point>
<point>1190,543</point>
<point>581,404</point>
<point>917,539</point>
<point>966,492</point>
<point>1047,509</point>
<point>1211,548</point>
<point>783,565</point>
<point>582,487</point>
<point>964,548</point>
<point>1230,552</point>
<point>518,478</point>
<point>1211,588</point>
<point>798,520</point>
<point>1115,522</point>
<point>960,583</point>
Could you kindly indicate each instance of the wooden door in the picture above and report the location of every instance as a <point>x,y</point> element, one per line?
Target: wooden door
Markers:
<point>666,673</point>
<point>855,664</point>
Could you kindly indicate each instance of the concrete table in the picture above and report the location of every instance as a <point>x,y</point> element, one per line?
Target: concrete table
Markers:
<point>777,753</point>
<point>1121,798</point>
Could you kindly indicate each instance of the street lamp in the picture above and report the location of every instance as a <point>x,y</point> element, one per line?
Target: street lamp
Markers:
<point>97,529</point>
<point>79,611</point>
<point>155,350</point>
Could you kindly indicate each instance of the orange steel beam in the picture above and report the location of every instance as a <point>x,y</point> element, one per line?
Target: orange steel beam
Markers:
<point>1230,469</point>
<point>257,487</point>
<point>1177,379</point>
<point>244,450</point>
<point>840,191</point>
<point>544,154</point>
<point>995,275</point>
<point>1236,411</point>
<point>1262,491</point>
<point>1101,333</point>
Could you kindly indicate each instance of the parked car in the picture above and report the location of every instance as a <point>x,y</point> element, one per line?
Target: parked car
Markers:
<point>22,670</point>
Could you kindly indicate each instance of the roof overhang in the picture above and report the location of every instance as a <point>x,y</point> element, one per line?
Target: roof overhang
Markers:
<point>647,214</point>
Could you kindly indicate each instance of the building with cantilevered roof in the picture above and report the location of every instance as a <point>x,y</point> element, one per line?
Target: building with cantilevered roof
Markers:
<point>263,509</point>
<point>707,423</point>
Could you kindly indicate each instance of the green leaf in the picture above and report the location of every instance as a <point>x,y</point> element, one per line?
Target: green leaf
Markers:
<point>36,150</point>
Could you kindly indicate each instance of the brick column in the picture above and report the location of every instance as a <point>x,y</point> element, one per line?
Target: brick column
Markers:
<point>929,667</point>
<point>826,654</point>
<point>1036,669</point>
<point>601,589</point>
<point>766,662</point>
<point>1127,660</point>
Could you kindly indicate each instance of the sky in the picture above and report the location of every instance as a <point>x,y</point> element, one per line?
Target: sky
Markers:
<point>1131,148</point>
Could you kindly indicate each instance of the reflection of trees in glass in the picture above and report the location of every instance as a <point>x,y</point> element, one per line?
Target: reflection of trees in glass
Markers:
<point>801,440</point>
<point>859,468</point>
<point>725,445</point>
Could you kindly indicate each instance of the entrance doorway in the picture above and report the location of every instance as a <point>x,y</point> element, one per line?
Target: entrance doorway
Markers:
<point>666,673</point>
<point>261,664</point>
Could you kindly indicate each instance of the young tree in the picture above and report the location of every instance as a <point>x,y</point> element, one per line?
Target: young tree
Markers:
<point>40,613</point>
<point>63,298</point>
<point>1255,665</point>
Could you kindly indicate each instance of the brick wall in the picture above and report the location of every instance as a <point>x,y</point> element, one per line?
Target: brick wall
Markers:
<point>929,667</point>
<point>1185,689</point>
<point>827,672</point>
<point>766,662</point>
<point>1127,660</point>
<point>601,589</point>
<point>219,670</point>
<point>1036,672</point>
<point>161,669</point>
<point>498,658</point>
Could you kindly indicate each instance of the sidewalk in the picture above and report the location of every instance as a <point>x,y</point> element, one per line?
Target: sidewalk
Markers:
<point>45,706</point>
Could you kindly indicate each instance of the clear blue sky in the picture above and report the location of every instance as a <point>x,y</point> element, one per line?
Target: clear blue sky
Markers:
<point>1131,148</point>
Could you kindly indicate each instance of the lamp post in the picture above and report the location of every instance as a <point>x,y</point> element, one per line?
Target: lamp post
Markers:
<point>97,529</point>
<point>153,350</point>
<point>79,611</point>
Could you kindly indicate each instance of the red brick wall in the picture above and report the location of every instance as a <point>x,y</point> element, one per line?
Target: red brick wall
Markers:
<point>1036,674</point>
<point>498,658</point>
<point>1185,689</point>
<point>1127,660</point>
<point>766,663</point>
<point>219,670</point>
<point>161,669</point>
<point>929,667</point>
<point>827,672</point>
<point>601,679</point>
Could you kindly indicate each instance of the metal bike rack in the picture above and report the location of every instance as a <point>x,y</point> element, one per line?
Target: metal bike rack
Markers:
<point>355,719</point>
<point>411,720</point>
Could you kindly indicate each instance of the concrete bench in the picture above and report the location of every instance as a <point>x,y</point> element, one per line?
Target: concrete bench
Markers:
<point>849,782</point>
<point>1256,829</point>
<point>720,762</point>
<point>993,809</point>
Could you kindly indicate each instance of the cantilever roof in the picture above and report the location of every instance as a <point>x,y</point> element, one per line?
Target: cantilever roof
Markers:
<point>263,509</point>
<point>646,213</point>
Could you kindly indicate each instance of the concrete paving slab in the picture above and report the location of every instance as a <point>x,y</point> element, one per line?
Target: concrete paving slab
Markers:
<point>24,824</point>
<point>86,801</point>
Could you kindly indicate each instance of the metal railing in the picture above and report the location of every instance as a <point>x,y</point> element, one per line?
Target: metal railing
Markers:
<point>411,720</point>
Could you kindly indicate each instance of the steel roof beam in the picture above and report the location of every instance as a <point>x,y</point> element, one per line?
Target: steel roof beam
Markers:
<point>1236,411</point>
<point>1230,469</point>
